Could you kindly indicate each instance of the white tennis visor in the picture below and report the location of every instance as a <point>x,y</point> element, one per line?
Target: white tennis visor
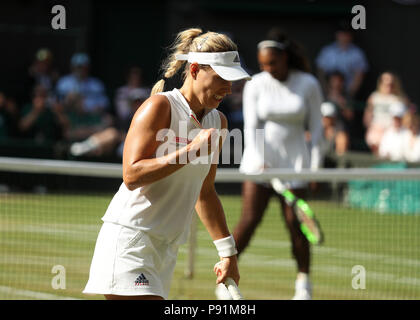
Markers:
<point>226,64</point>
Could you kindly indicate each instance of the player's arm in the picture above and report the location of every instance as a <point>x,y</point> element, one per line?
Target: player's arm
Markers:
<point>212,215</point>
<point>140,166</point>
<point>253,159</point>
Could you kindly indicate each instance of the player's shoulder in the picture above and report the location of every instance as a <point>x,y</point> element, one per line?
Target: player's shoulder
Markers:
<point>258,79</point>
<point>260,76</point>
<point>306,78</point>
<point>156,107</point>
<point>158,103</point>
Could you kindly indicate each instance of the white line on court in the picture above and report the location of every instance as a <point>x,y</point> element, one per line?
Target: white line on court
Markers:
<point>9,291</point>
<point>258,260</point>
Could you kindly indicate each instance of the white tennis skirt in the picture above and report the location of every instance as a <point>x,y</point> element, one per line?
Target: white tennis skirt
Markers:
<point>129,262</point>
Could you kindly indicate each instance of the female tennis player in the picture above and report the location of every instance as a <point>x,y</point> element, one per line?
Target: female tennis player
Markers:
<point>165,177</point>
<point>284,100</point>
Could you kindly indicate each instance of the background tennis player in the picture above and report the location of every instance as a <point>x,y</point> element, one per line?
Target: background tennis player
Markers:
<point>283,99</point>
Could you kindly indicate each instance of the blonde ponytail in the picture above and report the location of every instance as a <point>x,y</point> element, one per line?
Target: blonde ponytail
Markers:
<point>171,65</point>
<point>158,87</point>
<point>193,40</point>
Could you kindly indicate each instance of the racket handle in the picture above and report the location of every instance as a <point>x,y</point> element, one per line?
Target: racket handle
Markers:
<point>233,289</point>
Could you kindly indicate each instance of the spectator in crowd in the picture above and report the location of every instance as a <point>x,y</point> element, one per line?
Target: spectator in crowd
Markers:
<point>136,98</point>
<point>42,72</point>
<point>41,121</point>
<point>390,146</point>
<point>8,117</point>
<point>336,139</point>
<point>90,89</point>
<point>123,108</point>
<point>336,94</point>
<point>106,141</point>
<point>377,117</point>
<point>98,144</point>
<point>411,137</point>
<point>343,55</point>
<point>83,124</point>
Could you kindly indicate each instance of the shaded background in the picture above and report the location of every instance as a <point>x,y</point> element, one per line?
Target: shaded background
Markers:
<point>119,34</point>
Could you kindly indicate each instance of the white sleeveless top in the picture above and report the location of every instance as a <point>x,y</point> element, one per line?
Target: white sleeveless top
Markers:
<point>282,110</point>
<point>382,108</point>
<point>165,207</point>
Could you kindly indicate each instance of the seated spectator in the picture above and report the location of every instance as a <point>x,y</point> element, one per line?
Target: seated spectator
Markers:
<point>336,94</point>
<point>83,124</point>
<point>411,137</point>
<point>42,72</point>
<point>343,56</point>
<point>377,117</point>
<point>123,107</point>
<point>336,139</point>
<point>390,146</point>
<point>41,121</point>
<point>8,117</point>
<point>105,141</point>
<point>98,144</point>
<point>90,89</point>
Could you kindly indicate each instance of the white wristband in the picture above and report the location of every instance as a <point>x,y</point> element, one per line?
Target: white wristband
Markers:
<point>226,247</point>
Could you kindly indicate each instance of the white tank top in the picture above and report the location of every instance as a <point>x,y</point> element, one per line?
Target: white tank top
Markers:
<point>165,207</point>
<point>381,109</point>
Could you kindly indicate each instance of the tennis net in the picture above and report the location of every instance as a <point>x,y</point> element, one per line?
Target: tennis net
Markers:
<point>50,215</point>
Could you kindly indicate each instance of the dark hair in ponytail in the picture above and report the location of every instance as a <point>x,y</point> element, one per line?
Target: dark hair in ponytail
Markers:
<point>295,52</point>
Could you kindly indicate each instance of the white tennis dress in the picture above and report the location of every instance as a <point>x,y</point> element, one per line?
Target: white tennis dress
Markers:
<point>137,246</point>
<point>283,110</point>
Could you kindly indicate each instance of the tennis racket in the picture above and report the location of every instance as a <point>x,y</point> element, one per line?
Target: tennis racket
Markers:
<point>233,289</point>
<point>309,225</point>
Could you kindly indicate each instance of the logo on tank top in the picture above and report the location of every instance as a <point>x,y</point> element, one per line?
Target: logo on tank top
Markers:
<point>181,140</point>
<point>141,280</point>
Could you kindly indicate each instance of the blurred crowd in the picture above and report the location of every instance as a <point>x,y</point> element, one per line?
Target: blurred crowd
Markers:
<point>72,113</point>
<point>74,116</point>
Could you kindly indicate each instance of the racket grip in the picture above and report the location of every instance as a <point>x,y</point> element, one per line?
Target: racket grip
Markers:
<point>233,289</point>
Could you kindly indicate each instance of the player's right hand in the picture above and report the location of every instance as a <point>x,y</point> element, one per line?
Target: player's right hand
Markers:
<point>206,141</point>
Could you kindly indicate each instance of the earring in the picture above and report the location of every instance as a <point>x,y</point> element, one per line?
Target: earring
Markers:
<point>194,69</point>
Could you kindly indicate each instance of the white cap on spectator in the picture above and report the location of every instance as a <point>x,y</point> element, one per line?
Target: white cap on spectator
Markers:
<point>397,109</point>
<point>328,109</point>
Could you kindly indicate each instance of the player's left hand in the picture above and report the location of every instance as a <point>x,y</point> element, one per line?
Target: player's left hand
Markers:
<point>227,267</point>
